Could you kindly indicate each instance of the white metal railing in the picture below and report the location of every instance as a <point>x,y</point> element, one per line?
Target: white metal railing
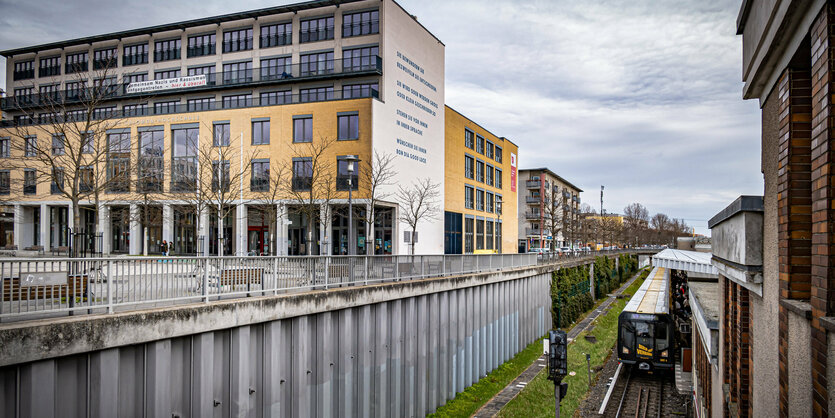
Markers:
<point>46,287</point>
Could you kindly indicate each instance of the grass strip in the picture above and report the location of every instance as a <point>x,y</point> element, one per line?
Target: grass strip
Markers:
<point>537,398</point>
<point>472,398</point>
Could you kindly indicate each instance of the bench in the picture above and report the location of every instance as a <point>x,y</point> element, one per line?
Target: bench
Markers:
<point>76,286</point>
<point>9,250</point>
<point>38,248</point>
<point>59,250</point>
<point>241,275</point>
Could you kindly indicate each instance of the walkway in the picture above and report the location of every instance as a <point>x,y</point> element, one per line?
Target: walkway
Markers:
<point>493,406</point>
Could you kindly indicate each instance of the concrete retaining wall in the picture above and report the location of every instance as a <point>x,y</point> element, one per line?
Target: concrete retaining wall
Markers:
<point>400,349</point>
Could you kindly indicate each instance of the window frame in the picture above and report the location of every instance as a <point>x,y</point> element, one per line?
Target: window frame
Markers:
<point>352,121</point>
<point>262,127</point>
<point>307,128</point>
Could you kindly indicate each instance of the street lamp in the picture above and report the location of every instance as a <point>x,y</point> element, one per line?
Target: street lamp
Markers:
<point>351,159</point>
<point>499,225</point>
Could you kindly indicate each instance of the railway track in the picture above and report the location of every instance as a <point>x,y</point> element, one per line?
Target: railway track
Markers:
<point>638,394</point>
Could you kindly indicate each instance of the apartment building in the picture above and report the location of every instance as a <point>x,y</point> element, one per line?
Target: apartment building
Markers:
<point>272,84</point>
<point>549,210</point>
<point>480,203</point>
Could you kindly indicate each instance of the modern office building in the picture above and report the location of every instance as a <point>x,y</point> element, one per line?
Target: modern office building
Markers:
<point>271,85</point>
<point>776,253</point>
<point>480,194</point>
<point>549,210</point>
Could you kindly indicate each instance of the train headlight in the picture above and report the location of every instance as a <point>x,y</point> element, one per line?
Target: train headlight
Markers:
<point>625,350</point>
<point>664,354</point>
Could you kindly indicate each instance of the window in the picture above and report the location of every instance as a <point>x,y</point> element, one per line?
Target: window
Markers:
<point>259,181</point>
<point>106,86</point>
<point>135,54</point>
<point>348,127</point>
<point>479,144</point>
<point>167,50</point>
<point>49,92</point>
<point>489,200</point>
<point>468,235</point>
<point>359,91</point>
<point>237,40</point>
<point>4,148</point>
<point>22,120</point>
<point>303,129</point>
<point>49,66</point>
<point>104,58</point>
<point>48,117</point>
<point>302,174</point>
<point>468,167</point>
<point>221,170</point>
<point>276,35</point>
<point>184,158</point>
<point>206,103</point>
<point>488,177</point>
<point>165,74</point>
<point>30,146</point>
<point>317,94</point>
<point>498,179</point>
<point>276,98</point>
<point>359,59</point>
<point>479,200</point>
<point>468,139</point>
<point>118,161</point>
<point>127,79</point>
<point>161,108</point>
<point>201,45</point>
<point>343,176</point>
<point>151,165</point>
<point>221,134</point>
<point>74,89</point>
<point>23,91</point>
<point>479,171</point>
<point>479,234</point>
<point>489,150</point>
<point>5,182</point>
<point>316,64</point>
<point>363,23</point>
<point>30,184</point>
<point>316,29</point>
<point>489,236</point>
<point>24,70</point>
<point>276,68</point>
<point>85,175</point>
<point>76,63</point>
<point>498,156</point>
<point>58,144</point>
<point>261,132</point>
<point>208,70</point>
<point>57,184</point>
<point>87,144</point>
<point>469,196</point>
<point>135,109</point>
<point>237,72</point>
<point>237,101</point>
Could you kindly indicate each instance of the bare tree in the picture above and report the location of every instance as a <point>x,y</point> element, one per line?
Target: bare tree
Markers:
<point>149,180</point>
<point>418,202</point>
<point>636,218</point>
<point>553,213</point>
<point>376,174</point>
<point>270,200</point>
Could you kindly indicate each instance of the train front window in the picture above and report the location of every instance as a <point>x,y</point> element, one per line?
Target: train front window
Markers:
<point>643,329</point>
<point>661,336</point>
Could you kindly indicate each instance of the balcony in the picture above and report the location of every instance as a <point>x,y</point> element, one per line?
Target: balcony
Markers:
<point>167,55</point>
<point>533,215</point>
<point>533,200</point>
<point>537,232</point>
<point>533,184</point>
<point>201,50</point>
<point>23,74</point>
<point>318,70</point>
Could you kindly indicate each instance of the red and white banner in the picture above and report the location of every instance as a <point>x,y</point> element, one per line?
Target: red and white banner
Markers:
<point>167,84</point>
<point>512,172</point>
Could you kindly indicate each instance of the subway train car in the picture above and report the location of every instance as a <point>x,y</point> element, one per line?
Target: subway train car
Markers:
<point>645,327</point>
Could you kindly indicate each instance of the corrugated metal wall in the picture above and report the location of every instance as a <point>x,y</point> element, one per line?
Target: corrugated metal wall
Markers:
<point>402,358</point>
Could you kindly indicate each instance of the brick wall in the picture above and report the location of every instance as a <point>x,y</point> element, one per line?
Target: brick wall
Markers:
<point>737,345</point>
<point>703,369</point>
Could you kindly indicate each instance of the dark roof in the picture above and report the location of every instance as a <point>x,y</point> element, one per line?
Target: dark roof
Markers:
<point>741,204</point>
<point>178,25</point>
<point>553,174</point>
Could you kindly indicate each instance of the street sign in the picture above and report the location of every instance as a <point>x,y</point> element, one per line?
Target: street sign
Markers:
<point>43,278</point>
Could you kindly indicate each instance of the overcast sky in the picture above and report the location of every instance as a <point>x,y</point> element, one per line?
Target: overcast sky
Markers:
<point>641,96</point>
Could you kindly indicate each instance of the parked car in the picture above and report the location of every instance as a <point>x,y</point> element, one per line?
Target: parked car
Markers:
<point>538,251</point>
<point>565,250</point>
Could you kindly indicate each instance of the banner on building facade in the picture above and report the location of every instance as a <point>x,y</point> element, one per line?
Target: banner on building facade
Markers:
<point>167,84</point>
<point>512,172</point>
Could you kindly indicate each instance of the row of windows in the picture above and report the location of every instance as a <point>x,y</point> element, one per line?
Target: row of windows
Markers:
<point>484,173</point>
<point>482,200</point>
<point>311,30</point>
<point>478,144</point>
<point>482,234</point>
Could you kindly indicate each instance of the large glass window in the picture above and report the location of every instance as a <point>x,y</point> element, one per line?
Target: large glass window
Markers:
<point>236,101</point>
<point>5,182</point>
<point>162,75</point>
<point>260,177</point>
<point>58,141</point>
<point>57,185</point>
<point>276,35</point>
<point>30,146</point>
<point>316,94</point>
<point>261,132</point>
<point>118,162</point>
<point>469,197</point>
<point>184,158</point>
<point>221,134</point>
<point>489,150</point>
<point>303,129</point>
<point>4,148</point>
<point>30,183</point>
<point>479,171</point>
<point>76,63</point>
<point>468,167</point>
<point>151,166</point>
<point>237,40</point>
<point>360,90</point>
<point>237,72</point>
<point>302,174</point>
<point>195,105</point>
<point>479,199</point>
<point>316,64</point>
<point>140,109</point>
<point>316,29</point>
<point>276,68</point>
<point>207,70</point>
<point>49,66</point>
<point>24,70</point>
<point>489,202</point>
<point>479,234</point>
<point>468,139</point>
<point>479,144</point>
<point>135,54</point>
<point>87,143</point>
<point>162,108</point>
<point>348,127</point>
<point>167,50</point>
<point>104,58</point>
<point>488,241</point>
<point>498,178</point>
<point>201,45</point>
<point>359,59</point>
<point>468,235</point>
<point>362,23</point>
<point>276,98</point>
<point>498,156</point>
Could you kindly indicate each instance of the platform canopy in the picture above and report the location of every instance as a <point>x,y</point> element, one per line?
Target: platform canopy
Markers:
<point>689,261</point>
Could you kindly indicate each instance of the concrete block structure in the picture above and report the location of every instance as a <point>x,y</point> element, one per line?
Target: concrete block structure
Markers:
<point>548,202</point>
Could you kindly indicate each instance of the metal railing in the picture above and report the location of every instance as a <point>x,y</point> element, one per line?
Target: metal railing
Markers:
<point>47,287</point>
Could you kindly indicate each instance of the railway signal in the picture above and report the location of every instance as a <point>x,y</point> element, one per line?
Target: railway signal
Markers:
<point>558,364</point>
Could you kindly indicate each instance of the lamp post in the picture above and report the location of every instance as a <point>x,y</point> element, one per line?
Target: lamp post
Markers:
<point>351,159</point>
<point>499,224</point>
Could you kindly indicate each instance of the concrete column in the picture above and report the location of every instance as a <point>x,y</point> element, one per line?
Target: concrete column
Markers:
<point>204,230</point>
<point>282,224</point>
<point>591,281</point>
<point>136,240</point>
<point>18,226</point>
<point>369,232</point>
<point>241,226</point>
<point>167,223</point>
<point>104,228</point>
<point>45,226</point>
<point>325,233</point>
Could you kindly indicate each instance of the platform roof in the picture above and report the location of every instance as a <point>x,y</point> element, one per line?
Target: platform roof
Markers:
<point>690,261</point>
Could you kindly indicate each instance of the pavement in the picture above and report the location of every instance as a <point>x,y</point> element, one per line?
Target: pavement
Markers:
<point>494,405</point>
